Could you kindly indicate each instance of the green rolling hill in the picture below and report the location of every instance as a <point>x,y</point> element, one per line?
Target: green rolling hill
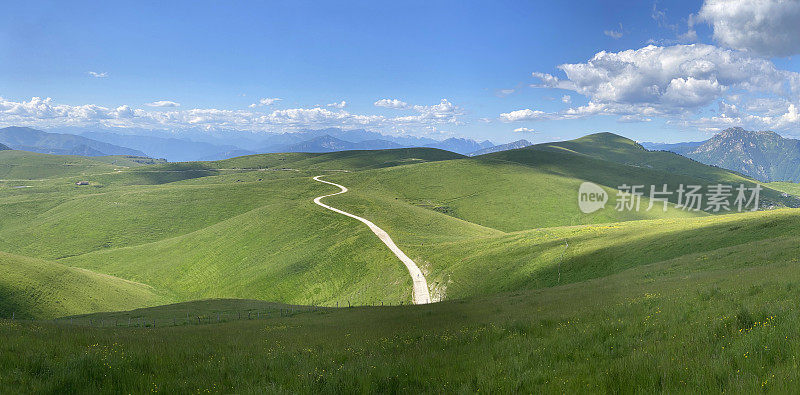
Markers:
<point>30,165</point>
<point>247,228</point>
<point>34,288</point>
<point>499,238</point>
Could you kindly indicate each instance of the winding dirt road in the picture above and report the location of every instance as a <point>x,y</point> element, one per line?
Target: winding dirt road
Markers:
<point>421,294</point>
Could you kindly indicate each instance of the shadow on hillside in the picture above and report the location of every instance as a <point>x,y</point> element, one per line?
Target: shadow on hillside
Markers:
<point>636,248</point>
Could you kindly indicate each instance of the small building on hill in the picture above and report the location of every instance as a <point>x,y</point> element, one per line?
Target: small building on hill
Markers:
<point>82,183</point>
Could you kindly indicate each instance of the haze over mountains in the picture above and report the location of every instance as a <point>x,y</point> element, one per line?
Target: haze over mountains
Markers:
<point>27,139</point>
<point>764,155</point>
<point>502,147</point>
<point>188,146</point>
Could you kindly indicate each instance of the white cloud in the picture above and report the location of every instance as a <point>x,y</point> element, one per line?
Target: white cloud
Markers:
<point>524,130</point>
<point>765,27</point>
<point>45,113</point>
<point>163,103</point>
<point>615,34</point>
<point>266,101</point>
<point>566,99</point>
<point>671,81</point>
<point>391,103</point>
<point>97,75</point>
<point>679,83</point>
<point>442,111</point>
<point>341,104</point>
<point>523,115</point>
<point>633,118</point>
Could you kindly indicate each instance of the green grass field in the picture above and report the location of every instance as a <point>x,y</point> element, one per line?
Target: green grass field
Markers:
<point>536,295</point>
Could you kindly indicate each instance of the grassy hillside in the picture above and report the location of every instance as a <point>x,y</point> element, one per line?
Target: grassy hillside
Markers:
<point>30,165</point>
<point>537,296</point>
<point>662,167</point>
<point>790,188</point>
<point>505,195</point>
<point>129,160</point>
<point>36,288</point>
<point>459,265</point>
<point>615,148</point>
<point>243,228</point>
<point>342,160</point>
<point>685,324</point>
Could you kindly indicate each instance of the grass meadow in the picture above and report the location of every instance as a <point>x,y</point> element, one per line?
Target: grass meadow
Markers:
<point>661,328</point>
<point>225,277</point>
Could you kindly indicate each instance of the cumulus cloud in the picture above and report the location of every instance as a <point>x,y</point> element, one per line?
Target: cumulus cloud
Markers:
<point>391,103</point>
<point>341,104</point>
<point>681,84</point>
<point>523,115</point>
<point>444,111</point>
<point>566,99</point>
<point>674,81</point>
<point>764,27</point>
<point>45,113</point>
<point>97,75</point>
<point>524,130</point>
<point>163,103</point>
<point>266,101</point>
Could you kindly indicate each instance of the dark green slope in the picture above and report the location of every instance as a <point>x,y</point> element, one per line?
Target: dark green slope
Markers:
<point>596,158</point>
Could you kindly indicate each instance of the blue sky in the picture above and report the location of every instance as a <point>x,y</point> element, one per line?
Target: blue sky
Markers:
<point>456,68</point>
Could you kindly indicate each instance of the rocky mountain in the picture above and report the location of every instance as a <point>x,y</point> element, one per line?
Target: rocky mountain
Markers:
<point>27,139</point>
<point>765,156</point>
<point>3,147</point>
<point>502,147</point>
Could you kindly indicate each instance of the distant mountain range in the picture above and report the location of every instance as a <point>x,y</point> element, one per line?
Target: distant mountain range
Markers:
<point>172,149</point>
<point>193,145</point>
<point>27,139</point>
<point>182,146</point>
<point>765,156</point>
<point>678,148</point>
<point>3,147</point>
<point>502,147</point>
<point>326,140</point>
<point>329,143</point>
